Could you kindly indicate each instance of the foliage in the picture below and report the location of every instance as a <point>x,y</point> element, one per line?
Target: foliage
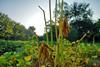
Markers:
<point>22,56</point>
<point>10,29</point>
<point>10,46</point>
<point>73,34</point>
<point>96,30</point>
<point>77,54</point>
<point>83,26</point>
<point>77,10</point>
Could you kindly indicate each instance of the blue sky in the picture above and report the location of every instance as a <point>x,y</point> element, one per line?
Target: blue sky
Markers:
<point>27,12</point>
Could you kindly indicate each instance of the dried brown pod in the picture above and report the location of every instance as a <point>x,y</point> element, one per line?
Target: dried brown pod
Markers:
<point>65,26</point>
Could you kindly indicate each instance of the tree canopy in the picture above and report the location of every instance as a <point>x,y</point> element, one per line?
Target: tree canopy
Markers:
<point>10,29</point>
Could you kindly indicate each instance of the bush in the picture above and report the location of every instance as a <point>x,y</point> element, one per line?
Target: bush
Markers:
<point>8,46</point>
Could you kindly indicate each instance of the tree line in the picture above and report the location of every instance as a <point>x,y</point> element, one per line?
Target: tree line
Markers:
<point>79,17</point>
<point>10,29</point>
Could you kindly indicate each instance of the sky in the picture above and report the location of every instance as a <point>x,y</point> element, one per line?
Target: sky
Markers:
<point>27,12</point>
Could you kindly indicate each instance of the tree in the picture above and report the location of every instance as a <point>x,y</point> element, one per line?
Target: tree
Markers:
<point>12,30</point>
<point>6,26</point>
<point>83,26</point>
<point>31,29</point>
<point>73,34</point>
<point>96,31</point>
<point>79,15</point>
<point>30,32</point>
<point>77,11</point>
<point>19,32</point>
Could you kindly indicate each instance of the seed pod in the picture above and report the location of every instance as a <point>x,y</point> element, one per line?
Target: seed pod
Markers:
<point>65,29</point>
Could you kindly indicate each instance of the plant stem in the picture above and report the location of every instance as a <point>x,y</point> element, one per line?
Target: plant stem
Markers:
<point>45,24</point>
<point>93,39</point>
<point>50,22</point>
<point>56,18</point>
<point>60,44</point>
<point>55,61</point>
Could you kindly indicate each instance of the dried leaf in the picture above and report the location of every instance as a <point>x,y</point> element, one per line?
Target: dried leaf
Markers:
<point>65,29</point>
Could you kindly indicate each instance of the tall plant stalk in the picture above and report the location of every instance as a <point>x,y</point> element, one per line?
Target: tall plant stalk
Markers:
<point>50,22</point>
<point>56,18</point>
<point>59,57</point>
<point>45,24</point>
<point>61,35</point>
<point>55,63</point>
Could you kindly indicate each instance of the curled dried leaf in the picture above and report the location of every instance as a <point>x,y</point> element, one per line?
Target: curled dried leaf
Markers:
<point>65,28</point>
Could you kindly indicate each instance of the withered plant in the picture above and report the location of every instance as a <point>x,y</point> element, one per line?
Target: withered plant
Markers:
<point>45,54</point>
